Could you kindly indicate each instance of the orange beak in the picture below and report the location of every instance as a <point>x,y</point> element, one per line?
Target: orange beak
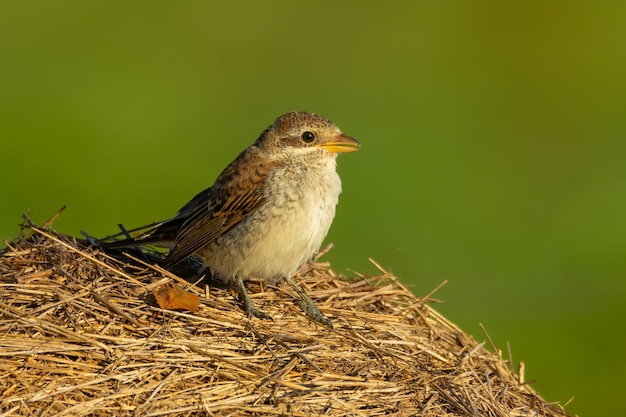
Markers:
<point>341,144</point>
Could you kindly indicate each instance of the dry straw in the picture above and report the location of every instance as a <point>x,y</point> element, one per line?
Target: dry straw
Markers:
<point>80,334</point>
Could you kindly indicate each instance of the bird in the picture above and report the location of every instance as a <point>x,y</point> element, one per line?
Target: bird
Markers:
<point>267,213</point>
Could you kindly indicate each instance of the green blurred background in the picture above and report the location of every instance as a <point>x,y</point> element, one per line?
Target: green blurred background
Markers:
<point>493,145</point>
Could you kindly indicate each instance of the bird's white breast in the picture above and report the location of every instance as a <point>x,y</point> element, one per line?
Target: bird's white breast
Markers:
<point>286,231</point>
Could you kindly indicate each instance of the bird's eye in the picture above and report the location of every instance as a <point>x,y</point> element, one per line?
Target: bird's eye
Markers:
<point>308,137</point>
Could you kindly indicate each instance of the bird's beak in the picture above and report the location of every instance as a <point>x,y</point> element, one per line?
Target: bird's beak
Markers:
<point>341,144</point>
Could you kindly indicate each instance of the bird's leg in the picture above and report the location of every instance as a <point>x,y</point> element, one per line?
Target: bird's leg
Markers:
<point>308,306</point>
<point>248,304</point>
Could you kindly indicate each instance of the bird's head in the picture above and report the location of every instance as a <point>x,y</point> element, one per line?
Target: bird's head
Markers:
<point>306,133</point>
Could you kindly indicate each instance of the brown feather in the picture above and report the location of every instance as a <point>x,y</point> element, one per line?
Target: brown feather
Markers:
<point>235,195</point>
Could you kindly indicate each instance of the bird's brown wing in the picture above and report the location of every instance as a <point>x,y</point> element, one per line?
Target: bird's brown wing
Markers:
<point>236,194</point>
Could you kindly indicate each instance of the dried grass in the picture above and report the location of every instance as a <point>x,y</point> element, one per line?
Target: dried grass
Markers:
<point>80,334</point>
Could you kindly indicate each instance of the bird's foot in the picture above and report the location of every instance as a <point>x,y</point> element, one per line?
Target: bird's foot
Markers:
<point>308,306</point>
<point>252,310</point>
<point>314,313</point>
<point>248,304</point>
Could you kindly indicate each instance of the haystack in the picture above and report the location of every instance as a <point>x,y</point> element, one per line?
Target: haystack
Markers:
<point>82,334</point>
